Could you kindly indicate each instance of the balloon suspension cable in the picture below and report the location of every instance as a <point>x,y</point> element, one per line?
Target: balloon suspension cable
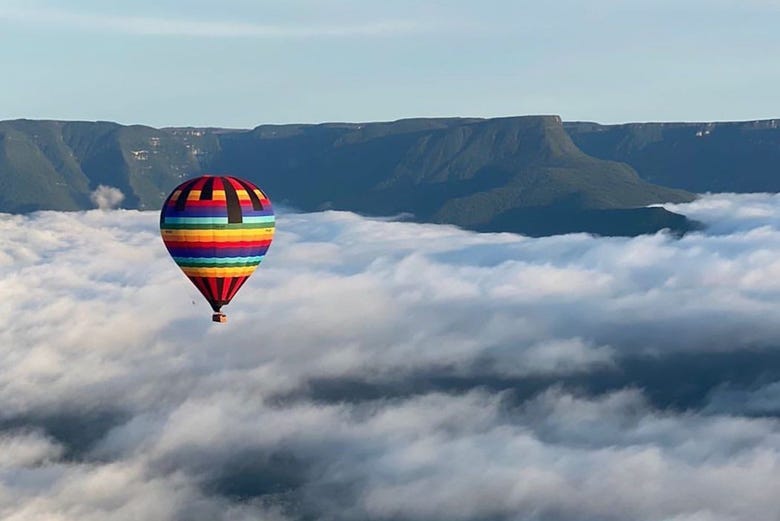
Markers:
<point>219,317</point>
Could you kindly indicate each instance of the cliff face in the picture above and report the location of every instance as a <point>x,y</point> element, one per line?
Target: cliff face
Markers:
<point>465,172</point>
<point>471,172</point>
<point>701,157</point>
<point>53,165</point>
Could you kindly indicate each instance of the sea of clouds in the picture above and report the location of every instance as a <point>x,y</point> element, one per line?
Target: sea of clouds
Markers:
<point>393,371</point>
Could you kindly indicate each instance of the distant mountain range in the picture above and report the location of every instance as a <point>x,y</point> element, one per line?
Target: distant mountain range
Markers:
<point>533,174</point>
<point>700,157</point>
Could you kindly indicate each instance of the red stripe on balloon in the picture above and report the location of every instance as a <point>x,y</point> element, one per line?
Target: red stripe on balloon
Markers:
<point>209,203</point>
<point>235,184</point>
<point>212,283</point>
<point>217,245</point>
<point>198,282</point>
<point>199,184</point>
<point>235,287</point>
<point>225,286</point>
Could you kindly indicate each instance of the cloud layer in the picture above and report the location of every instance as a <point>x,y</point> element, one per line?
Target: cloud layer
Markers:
<point>384,370</point>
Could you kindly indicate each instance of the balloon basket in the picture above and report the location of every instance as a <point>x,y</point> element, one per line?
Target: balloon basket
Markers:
<point>219,317</point>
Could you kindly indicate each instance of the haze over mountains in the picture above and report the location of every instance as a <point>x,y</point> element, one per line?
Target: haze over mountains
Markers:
<point>532,174</point>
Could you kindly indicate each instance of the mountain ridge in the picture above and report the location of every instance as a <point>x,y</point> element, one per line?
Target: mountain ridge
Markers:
<point>470,172</point>
<point>731,156</point>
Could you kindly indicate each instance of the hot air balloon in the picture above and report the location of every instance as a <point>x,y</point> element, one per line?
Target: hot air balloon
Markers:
<point>217,229</point>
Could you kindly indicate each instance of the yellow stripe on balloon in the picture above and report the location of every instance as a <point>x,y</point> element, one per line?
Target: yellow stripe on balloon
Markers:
<point>194,195</point>
<point>219,272</point>
<point>219,235</point>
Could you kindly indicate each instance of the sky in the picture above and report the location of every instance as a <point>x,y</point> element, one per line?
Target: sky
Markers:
<point>380,370</point>
<point>240,63</point>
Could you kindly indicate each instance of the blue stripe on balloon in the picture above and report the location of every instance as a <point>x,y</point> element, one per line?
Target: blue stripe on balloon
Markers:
<point>208,253</point>
<point>220,260</point>
<point>258,219</point>
<point>196,220</point>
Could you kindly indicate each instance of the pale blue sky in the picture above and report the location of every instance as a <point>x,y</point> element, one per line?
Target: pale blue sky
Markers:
<point>239,63</point>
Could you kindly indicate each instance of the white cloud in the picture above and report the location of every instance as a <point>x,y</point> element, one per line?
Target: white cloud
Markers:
<point>26,449</point>
<point>106,197</point>
<point>473,375</point>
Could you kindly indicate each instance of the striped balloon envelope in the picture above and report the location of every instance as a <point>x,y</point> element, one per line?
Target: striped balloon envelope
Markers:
<point>217,229</point>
